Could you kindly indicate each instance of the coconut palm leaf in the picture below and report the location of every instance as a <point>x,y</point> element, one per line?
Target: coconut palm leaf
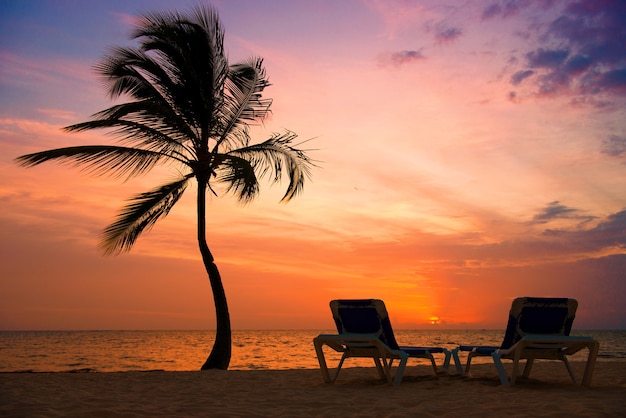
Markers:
<point>160,140</point>
<point>269,159</point>
<point>107,160</point>
<point>243,101</point>
<point>143,211</point>
<point>192,54</point>
<point>132,71</point>
<point>144,79</point>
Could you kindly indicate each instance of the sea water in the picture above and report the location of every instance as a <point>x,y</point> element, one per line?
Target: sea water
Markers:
<point>116,351</point>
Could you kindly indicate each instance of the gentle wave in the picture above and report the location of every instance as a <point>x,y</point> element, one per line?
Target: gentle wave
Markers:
<point>114,351</point>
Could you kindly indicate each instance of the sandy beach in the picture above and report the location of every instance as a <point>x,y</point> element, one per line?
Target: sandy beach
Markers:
<point>302,393</point>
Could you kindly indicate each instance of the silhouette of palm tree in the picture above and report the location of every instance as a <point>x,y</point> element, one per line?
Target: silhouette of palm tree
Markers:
<point>191,108</point>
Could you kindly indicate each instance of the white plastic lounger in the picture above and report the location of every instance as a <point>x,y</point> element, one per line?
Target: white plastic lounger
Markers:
<point>364,330</point>
<point>538,328</point>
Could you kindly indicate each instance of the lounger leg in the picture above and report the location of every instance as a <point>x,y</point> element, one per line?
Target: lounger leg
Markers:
<point>385,364</point>
<point>384,371</point>
<point>343,357</point>
<point>400,371</point>
<point>321,360</point>
<point>528,367</point>
<point>515,372</point>
<point>432,361</point>
<point>379,367</point>
<point>500,368</point>
<point>454,353</point>
<point>446,360</point>
<point>319,351</point>
<point>569,369</point>
<point>469,362</point>
<point>591,362</point>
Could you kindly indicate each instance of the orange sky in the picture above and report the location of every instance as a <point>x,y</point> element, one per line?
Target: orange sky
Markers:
<point>468,154</point>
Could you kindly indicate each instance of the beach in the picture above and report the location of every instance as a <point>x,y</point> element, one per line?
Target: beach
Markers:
<point>357,392</point>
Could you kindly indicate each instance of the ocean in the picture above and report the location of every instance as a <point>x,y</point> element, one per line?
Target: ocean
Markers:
<point>120,351</point>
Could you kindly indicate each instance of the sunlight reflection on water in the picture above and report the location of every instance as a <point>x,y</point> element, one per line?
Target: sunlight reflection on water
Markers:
<point>112,351</point>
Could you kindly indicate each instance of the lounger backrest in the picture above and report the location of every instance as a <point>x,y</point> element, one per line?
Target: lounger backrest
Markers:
<point>363,316</point>
<point>531,315</point>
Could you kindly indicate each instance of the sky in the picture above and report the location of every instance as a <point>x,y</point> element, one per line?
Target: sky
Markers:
<point>468,152</point>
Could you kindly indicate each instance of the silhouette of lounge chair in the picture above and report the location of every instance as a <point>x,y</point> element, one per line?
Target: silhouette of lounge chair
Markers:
<point>538,328</point>
<point>364,330</point>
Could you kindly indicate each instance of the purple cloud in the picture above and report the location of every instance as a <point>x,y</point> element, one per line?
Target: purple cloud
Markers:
<point>512,97</point>
<point>614,79</point>
<point>505,9</point>
<point>555,210</point>
<point>400,58</point>
<point>583,51</point>
<point>542,58</point>
<point>609,233</point>
<point>448,34</point>
<point>577,64</point>
<point>615,222</point>
<point>491,10</point>
<point>614,146</point>
<point>520,76</point>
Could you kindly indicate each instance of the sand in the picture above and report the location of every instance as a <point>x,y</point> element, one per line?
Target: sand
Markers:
<point>301,393</point>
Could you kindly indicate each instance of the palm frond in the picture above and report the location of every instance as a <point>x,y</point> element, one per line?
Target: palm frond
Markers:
<point>160,97</point>
<point>143,211</point>
<point>160,139</point>
<point>246,82</point>
<point>239,176</point>
<point>190,48</point>
<point>99,160</point>
<point>131,71</point>
<point>156,115</point>
<point>243,102</point>
<point>273,158</point>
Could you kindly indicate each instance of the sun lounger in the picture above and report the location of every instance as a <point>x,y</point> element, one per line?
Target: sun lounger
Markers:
<point>364,330</point>
<point>538,328</point>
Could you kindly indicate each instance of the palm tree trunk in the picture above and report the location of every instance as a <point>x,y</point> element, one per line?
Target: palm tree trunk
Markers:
<point>220,354</point>
<point>221,351</point>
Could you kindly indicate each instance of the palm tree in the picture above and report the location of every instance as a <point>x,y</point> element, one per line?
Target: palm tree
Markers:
<point>191,108</point>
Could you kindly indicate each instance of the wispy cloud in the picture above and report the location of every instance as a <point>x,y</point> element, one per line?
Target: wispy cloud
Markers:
<point>555,210</point>
<point>447,34</point>
<point>400,58</point>
<point>520,76</point>
<point>542,58</point>
<point>552,211</point>
<point>614,146</point>
<point>609,233</point>
<point>582,52</point>
<point>505,8</point>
